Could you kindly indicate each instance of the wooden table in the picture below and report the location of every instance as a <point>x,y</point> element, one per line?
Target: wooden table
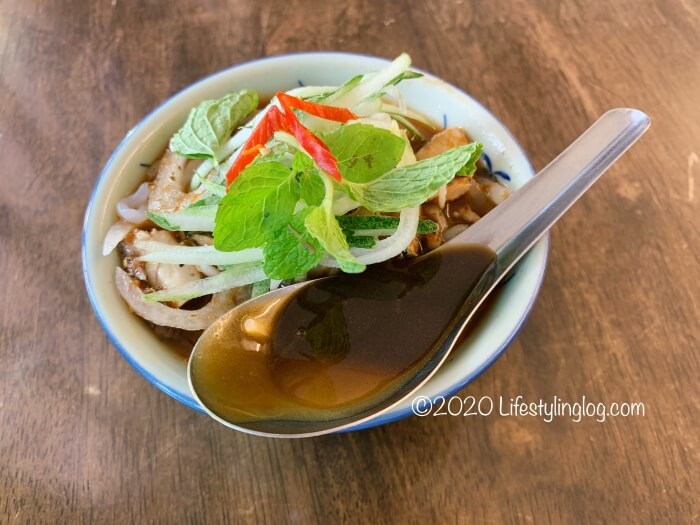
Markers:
<point>83,438</point>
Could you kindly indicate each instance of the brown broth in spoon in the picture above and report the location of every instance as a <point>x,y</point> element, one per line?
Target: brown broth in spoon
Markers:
<point>337,345</point>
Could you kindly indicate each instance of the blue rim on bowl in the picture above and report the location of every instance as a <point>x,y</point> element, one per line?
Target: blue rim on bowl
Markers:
<point>398,412</point>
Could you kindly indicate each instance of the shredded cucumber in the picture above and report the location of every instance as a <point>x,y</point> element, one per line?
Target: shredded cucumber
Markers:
<point>260,287</point>
<point>154,251</point>
<point>370,84</point>
<point>192,219</point>
<point>237,276</point>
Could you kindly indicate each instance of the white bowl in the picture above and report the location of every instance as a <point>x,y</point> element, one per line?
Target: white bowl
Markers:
<point>428,95</point>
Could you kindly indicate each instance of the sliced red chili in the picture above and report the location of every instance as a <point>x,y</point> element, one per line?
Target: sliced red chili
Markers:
<point>319,110</point>
<point>273,121</point>
<point>247,156</point>
<point>311,143</point>
<point>316,149</point>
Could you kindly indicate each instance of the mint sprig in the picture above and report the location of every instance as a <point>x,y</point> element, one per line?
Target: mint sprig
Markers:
<point>364,152</point>
<point>292,251</point>
<point>412,185</point>
<point>260,201</point>
<point>210,123</point>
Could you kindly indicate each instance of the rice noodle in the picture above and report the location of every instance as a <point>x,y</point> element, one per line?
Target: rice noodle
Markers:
<point>163,315</point>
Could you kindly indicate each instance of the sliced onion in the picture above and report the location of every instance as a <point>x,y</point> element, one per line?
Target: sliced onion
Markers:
<point>115,235</point>
<point>133,215</point>
<point>368,107</point>
<point>138,198</point>
<point>389,247</point>
<point>133,207</point>
<point>163,315</point>
<point>394,93</point>
<point>394,110</point>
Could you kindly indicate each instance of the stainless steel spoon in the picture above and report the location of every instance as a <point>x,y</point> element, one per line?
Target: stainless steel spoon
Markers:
<point>509,230</point>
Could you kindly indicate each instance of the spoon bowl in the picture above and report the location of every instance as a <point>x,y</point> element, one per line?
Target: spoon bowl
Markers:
<point>265,366</point>
<point>315,354</point>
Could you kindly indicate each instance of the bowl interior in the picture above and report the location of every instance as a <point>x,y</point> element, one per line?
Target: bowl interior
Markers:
<point>142,145</point>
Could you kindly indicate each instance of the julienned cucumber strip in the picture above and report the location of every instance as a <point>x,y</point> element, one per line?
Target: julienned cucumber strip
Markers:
<point>162,221</point>
<point>260,287</point>
<point>240,275</point>
<point>365,223</point>
<point>160,252</point>
<point>360,241</point>
<point>192,219</point>
<point>209,200</point>
<point>216,189</point>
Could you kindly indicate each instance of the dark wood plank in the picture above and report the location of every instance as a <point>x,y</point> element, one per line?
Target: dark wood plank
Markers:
<point>84,439</point>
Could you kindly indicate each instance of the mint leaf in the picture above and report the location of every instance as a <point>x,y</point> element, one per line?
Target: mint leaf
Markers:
<point>364,152</point>
<point>210,123</point>
<point>321,223</point>
<point>260,201</point>
<point>312,188</point>
<point>292,250</point>
<point>412,185</point>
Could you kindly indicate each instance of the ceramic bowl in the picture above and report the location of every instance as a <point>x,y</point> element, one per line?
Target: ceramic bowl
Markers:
<point>428,95</point>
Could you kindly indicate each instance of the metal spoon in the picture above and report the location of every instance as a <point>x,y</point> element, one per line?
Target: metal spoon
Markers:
<point>509,230</point>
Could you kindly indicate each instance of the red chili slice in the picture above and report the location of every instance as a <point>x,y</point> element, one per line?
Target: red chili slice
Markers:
<point>319,110</point>
<point>273,121</point>
<point>311,143</point>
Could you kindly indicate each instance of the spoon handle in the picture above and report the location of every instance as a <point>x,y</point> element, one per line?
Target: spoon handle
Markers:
<point>515,225</point>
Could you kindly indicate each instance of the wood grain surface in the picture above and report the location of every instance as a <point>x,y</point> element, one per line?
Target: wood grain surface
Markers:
<point>84,439</point>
